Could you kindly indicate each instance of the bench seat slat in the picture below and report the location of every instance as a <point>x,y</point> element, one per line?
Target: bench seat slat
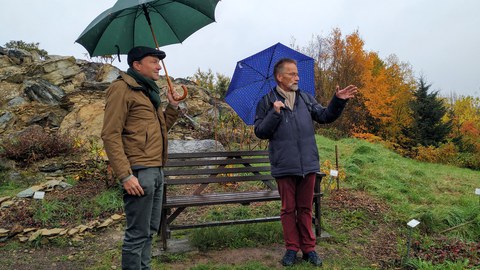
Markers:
<point>223,198</point>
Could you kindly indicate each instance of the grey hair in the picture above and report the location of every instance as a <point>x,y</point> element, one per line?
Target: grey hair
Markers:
<point>278,68</point>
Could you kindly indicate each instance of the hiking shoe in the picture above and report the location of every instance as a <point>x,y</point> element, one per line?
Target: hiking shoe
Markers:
<point>313,258</point>
<point>289,258</point>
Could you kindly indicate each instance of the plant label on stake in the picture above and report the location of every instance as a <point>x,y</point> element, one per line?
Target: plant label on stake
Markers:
<point>334,173</point>
<point>39,195</point>
<point>413,223</point>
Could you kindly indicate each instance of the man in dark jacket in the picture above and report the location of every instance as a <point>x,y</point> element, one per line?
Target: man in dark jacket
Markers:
<point>284,117</point>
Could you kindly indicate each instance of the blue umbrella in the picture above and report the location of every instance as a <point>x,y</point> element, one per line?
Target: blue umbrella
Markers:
<point>253,78</point>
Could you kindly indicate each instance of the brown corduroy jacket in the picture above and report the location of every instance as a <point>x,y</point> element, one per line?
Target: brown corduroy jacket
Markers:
<point>134,133</point>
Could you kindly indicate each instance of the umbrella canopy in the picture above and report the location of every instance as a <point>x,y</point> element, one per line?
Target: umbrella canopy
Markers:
<point>126,24</point>
<point>253,78</point>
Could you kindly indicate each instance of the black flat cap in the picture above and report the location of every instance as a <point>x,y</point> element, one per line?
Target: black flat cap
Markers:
<point>138,53</point>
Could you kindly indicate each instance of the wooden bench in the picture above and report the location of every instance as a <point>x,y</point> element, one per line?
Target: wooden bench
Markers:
<point>198,171</point>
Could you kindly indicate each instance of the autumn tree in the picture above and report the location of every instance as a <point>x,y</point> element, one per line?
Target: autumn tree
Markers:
<point>387,90</point>
<point>465,117</point>
<point>340,61</point>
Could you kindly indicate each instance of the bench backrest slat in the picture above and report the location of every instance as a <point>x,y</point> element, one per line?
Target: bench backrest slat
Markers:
<point>214,171</point>
<point>222,161</point>
<point>223,179</point>
<point>218,154</point>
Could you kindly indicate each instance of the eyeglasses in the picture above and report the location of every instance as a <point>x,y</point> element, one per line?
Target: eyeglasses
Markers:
<point>293,74</point>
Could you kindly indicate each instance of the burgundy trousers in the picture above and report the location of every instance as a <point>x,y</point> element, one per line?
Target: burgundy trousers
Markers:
<point>296,195</point>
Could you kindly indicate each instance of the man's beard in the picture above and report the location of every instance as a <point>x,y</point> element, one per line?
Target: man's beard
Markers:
<point>293,86</point>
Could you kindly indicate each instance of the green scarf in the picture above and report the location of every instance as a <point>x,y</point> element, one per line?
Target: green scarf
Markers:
<point>149,85</point>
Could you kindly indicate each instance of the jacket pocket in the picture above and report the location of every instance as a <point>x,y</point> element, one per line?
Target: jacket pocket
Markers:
<point>135,140</point>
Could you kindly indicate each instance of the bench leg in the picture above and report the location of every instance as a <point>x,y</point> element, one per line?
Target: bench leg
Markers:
<point>162,231</point>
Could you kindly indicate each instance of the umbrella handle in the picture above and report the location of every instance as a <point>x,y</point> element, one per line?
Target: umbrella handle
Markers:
<point>170,86</point>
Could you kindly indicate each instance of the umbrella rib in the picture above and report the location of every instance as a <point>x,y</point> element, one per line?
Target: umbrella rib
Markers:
<point>165,19</point>
<point>137,15</point>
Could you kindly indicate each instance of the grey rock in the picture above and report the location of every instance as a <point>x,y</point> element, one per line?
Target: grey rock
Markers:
<point>5,117</point>
<point>16,101</point>
<point>48,119</point>
<point>19,56</point>
<point>107,74</point>
<point>27,193</point>
<point>97,86</point>
<point>192,146</point>
<point>43,92</point>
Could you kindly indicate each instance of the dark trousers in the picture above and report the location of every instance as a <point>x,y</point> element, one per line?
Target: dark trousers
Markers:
<point>143,219</point>
<point>296,194</point>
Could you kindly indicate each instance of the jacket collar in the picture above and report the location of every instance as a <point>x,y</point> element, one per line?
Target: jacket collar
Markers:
<point>130,81</point>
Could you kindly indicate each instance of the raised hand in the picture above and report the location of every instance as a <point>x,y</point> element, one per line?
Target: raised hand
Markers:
<point>347,92</point>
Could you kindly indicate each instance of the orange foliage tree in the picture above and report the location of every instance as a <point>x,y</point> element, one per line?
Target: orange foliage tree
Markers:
<point>466,122</point>
<point>384,85</point>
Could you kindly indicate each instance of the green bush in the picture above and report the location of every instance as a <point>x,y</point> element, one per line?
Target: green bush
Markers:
<point>469,160</point>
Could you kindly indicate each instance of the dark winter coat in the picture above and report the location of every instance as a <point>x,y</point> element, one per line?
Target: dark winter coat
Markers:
<point>292,147</point>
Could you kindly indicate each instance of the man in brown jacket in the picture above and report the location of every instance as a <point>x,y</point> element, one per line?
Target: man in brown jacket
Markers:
<point>135,138</point>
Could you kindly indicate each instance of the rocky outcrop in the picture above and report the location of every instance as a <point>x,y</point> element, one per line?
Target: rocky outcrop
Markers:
<point>61,92</point>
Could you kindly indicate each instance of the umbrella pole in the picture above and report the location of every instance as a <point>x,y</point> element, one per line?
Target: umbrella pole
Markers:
<point>169,82</point>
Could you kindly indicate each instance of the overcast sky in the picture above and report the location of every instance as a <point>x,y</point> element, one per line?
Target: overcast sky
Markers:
<point>439,38</point>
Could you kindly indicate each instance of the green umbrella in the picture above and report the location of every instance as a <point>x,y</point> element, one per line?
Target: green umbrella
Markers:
<point>153,23</point>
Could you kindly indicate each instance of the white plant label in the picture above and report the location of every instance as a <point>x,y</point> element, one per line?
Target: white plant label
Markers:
<point>413,223</point>
<point>39,195</point>
<point>334,173</point>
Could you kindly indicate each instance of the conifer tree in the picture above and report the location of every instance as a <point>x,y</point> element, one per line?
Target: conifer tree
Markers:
<point>428,111</point>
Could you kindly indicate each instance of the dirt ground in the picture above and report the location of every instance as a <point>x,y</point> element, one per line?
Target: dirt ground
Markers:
<point>103,247</point>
